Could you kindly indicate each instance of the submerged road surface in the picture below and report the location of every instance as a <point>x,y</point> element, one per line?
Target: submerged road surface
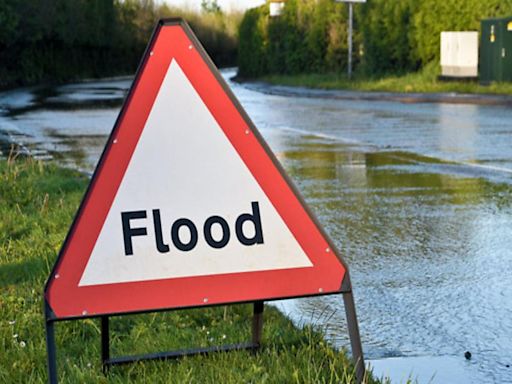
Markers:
<point>418,198</point>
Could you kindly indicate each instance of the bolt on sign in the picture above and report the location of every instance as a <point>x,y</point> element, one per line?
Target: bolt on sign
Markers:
<point>188,207</point>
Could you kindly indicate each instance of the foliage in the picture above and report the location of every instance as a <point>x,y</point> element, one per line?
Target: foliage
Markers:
<point>386,33</point>
<point>434,16</point>
<point>423,81</point>
<point>37,203</point>
<point>389,36</point>
<point>59,40</point>
<point>308,36</point>
<point>252,56</point>
<point>217,31</point>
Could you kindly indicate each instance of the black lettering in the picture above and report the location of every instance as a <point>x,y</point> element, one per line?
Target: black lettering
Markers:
<point>129,232</point>
<point>160,245</point>
<point>208,232</point>
<point>176,237</point>
<point>256,220</point>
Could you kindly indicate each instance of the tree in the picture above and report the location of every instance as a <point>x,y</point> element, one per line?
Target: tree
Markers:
<point>210,6</point>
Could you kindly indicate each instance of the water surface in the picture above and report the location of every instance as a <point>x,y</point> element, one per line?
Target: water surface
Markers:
<point>416,196</point>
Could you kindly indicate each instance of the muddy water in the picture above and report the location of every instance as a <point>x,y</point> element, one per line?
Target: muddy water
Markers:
<point>418,197</point>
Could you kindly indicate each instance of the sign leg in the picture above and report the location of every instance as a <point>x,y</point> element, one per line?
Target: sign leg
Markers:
<point>105,343</point>
<point>355,339</point>
<point>257,323</point>
<point>51,352</point>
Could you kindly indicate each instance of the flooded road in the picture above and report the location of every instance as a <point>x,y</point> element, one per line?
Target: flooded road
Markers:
<point>418,198</point>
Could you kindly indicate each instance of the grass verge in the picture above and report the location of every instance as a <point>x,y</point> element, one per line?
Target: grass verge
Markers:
<point>424,81</point>
<point>37,203</point>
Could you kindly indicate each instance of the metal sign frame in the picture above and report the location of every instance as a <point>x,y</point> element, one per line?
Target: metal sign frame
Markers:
<point>257,322</point>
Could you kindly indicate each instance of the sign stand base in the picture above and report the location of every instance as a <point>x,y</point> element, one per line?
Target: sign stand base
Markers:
<point>355,339</point>
<point>254,344</point>
<point>50,346</point>
<point>107,361</point>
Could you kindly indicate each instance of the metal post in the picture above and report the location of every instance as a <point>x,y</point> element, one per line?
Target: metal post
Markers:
<point>355,338</point>
<point>105,343</point>
<point>51,352</point>
<point>257,323</point>
<point>349,65</point>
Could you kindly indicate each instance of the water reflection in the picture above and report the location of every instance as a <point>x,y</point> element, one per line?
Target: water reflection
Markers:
<point>428,253</point>
<point>458,130</point>
<point>475,137</point>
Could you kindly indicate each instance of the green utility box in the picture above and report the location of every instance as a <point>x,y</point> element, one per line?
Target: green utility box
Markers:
<point>496,50</point>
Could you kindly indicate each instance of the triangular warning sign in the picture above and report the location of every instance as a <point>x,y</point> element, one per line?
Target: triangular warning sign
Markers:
<point>188,206</point>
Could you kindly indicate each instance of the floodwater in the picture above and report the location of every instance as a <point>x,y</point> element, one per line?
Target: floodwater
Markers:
<point>418,198</point>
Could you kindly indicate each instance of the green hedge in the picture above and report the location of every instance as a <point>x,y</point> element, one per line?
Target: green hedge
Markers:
<point>60,40</point>
<point>434,16</point>
<point>389,36</point>
<point>309,36</point>
<point>386,29</point>
<point>57,40</point>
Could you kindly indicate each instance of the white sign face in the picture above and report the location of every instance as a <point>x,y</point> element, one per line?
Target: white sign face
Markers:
<point>187,204</point>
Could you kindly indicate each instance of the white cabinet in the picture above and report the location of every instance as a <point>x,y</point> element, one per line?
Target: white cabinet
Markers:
<point>459,54</point>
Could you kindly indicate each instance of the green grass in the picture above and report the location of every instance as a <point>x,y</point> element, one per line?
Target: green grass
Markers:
<point>37,203</point>
<point>424,81</point>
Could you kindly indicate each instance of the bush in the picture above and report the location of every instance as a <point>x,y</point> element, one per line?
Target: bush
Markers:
<point>252,44</point>
<point>386,33</point>
<point>389,36</point>
<point>434,16</point>
<point>308,37</point>
<point>61,40</point>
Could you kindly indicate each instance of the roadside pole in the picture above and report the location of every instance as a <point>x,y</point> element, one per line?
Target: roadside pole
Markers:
<point>350,17</point>
<point>350,31</point>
